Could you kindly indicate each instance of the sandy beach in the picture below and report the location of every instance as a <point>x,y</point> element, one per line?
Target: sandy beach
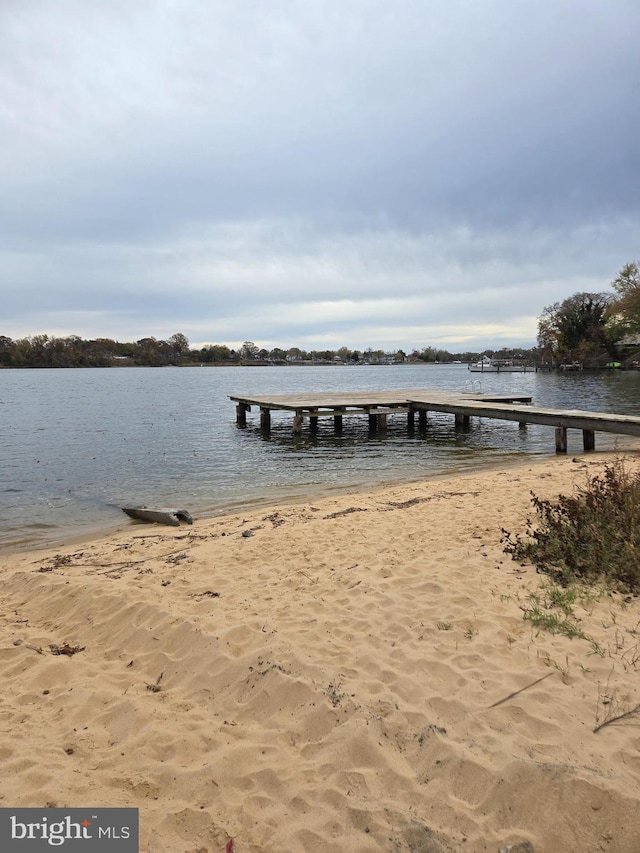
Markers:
<point>354,672</point>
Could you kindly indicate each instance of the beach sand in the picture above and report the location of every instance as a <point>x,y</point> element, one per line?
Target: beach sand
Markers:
<point>348,673</point>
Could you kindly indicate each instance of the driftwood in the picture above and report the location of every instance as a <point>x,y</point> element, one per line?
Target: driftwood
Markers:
<point>522,689</point>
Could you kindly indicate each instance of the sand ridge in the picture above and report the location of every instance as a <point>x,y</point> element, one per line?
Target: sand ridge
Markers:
<point>351,672</point>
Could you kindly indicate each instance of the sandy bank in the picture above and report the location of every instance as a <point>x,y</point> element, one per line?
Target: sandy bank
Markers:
<point>348,673</point>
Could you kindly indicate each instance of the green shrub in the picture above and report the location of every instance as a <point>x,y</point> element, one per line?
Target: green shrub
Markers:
<point>593,535</point>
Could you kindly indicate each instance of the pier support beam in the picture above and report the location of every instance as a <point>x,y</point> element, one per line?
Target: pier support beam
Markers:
<point>463,422</point>
<point>422,419</point>
<point>241,414</point>
<point>373,422</point>
<point>313,420</point>
<point>297,422</point>
<point>588,440</point>
<point>411,421</point>
<point>265,420</point>
<point>561,439</point>
<point>337,424</point>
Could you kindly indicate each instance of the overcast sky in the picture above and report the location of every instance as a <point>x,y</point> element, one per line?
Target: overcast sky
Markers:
<point>314,173</point>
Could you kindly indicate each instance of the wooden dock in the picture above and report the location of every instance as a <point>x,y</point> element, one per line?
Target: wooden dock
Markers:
<point>377,405</point>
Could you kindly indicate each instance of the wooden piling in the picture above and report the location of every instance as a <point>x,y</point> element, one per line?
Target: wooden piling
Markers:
<point>241,414</point>
<point>561,439</point>
<point>588,440</point>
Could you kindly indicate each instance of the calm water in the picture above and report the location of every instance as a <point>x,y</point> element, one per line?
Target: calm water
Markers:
<point>79,444</point>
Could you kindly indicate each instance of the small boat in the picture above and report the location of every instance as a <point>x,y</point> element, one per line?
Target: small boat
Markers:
<point>158,516</point>
<point>485,365</point>
<point>494,365</point>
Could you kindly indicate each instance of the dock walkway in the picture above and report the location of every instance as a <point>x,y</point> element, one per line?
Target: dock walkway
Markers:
<point>377,405</point>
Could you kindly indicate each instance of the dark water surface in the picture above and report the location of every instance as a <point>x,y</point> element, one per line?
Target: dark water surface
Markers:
<point>78,444</point>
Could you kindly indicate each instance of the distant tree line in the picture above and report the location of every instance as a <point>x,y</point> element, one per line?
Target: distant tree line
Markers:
<point>73,351</point>
<point>591,329</point>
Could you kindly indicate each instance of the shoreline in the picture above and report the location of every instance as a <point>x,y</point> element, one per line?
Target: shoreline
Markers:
<point>347,670</point>
<point>76,535</point>
<point>287,495</point>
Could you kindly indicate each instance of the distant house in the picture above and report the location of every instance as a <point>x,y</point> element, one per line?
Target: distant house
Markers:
<point>630,341</point>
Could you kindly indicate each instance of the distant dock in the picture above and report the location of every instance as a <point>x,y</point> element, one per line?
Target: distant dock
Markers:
<point>377,405</point>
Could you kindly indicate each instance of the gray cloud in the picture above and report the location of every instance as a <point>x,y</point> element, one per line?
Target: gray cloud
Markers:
<point>295,172</point>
